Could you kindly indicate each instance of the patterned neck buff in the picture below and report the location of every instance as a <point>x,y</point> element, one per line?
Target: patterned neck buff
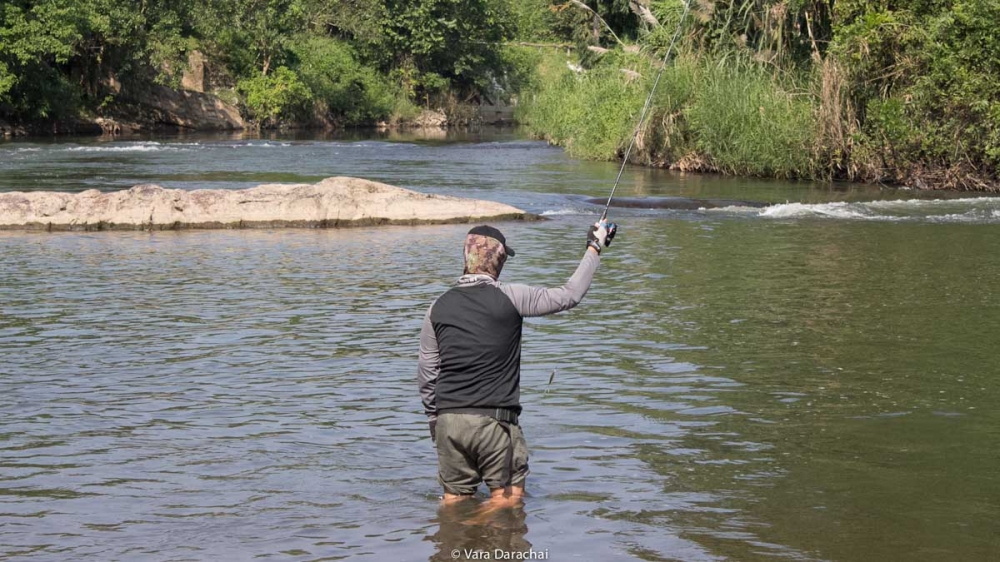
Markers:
<point>484,255</point>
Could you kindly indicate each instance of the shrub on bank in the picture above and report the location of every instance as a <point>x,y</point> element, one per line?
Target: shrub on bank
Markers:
<point>351,92</point>
<point>587,112</point>
<point>279,95</point>
<point>923,82</point>
<point>730,116</point>
<point>857,90</point>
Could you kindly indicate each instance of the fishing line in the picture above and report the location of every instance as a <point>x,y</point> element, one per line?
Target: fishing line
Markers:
<point>638,127</point>
<point>645,108</point>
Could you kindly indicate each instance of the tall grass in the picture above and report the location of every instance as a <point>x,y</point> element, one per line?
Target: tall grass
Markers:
<point>731,116</point>
<point>746,123</point>
<point>590,113</point>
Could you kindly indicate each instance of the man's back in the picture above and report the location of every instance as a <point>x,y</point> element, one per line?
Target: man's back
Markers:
<point>478,333</point>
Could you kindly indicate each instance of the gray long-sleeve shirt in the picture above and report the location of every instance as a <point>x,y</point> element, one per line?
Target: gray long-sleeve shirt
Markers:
<point>527,300</point>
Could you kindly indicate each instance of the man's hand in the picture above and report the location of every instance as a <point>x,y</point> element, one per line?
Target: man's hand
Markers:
<point>433,426</point>
<point>601,234</point>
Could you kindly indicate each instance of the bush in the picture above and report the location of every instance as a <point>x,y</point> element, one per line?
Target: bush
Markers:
<point>352,92</point>
<point>592,113</point>
<point>280,95</point>
<point>869,91</point>
<point>7,81</point>
<point>519,66</point>
<point>924,84</point>
<point>441,44</point>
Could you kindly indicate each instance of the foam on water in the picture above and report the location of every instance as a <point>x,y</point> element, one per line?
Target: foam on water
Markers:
<point>128,147</point>
<point>563,212</point>
<point>968,210</point>
<point>834,210</point>
<point>152,146</point>
<point>262,145</point>
<point>117,149</point>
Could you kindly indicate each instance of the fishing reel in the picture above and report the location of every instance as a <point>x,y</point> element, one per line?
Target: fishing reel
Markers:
<point>612,230</point>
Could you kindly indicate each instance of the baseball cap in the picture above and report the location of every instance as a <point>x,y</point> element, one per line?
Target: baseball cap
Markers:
<point>484,230</point>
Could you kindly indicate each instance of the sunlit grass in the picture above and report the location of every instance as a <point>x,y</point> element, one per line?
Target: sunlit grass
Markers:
<point>733,116</point>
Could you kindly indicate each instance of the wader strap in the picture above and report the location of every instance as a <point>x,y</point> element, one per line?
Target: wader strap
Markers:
<point>504,415</point>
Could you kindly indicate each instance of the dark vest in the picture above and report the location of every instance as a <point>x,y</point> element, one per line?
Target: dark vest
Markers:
<point>479,339</point>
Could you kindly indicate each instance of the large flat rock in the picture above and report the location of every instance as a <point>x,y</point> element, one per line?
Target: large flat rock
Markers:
<point>333,202</point>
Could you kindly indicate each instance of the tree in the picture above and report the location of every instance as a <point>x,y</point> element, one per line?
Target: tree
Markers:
<point>251,35</point>
<point>435,44</point>
<point>35,39</point>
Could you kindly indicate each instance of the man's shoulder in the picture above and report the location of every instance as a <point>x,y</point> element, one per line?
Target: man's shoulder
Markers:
<point>465,298</point>
<point>513,290</point>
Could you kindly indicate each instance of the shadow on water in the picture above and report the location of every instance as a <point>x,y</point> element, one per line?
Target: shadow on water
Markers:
<point>470,530</point>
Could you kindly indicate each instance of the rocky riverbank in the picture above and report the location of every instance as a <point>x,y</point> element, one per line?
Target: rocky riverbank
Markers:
<point>159,109</point>
<point>183,111</point>
<point>333,202</point>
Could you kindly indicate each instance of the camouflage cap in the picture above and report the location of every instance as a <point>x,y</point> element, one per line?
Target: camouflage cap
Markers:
<point>485,230</point>
<point>484,255</point>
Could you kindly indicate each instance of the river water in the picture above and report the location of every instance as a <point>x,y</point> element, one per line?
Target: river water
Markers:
<point>815,379</point>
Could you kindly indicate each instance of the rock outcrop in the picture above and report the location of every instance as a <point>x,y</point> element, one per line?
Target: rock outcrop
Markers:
<point>333,202</point>
<point>193,78</point>
<point>429,119</point>
<point>190,110</point>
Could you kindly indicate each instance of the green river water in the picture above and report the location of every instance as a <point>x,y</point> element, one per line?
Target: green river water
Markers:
<point>812,379</point>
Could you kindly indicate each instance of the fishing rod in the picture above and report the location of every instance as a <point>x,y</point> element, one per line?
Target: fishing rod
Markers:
<point>645,108</point>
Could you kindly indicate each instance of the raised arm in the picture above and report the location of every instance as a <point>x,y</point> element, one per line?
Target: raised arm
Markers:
<point>539,301</point>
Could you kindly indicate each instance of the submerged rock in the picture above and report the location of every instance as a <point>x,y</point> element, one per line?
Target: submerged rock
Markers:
<point>333,202</point>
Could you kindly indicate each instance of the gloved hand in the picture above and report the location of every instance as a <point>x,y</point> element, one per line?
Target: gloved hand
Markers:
<point>601,234</point>
<point>433,426</point>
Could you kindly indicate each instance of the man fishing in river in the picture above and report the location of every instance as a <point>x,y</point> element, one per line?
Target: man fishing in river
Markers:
<point>469,367</point>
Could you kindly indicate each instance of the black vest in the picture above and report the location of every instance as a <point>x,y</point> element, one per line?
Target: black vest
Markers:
<point>479,339</point>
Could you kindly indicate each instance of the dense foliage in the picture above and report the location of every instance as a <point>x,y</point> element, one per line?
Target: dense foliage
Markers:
<point>55,54</point>
<point>878,90</point>
<point>359,61</point>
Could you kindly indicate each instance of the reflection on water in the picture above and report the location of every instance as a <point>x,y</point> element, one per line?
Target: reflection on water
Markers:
<point>734,387</point>
<point>467,531</point>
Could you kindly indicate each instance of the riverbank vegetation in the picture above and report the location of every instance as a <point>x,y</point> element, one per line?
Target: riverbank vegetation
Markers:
<point>882,91</point>
<point>343,62</point>
<point>902,93</point>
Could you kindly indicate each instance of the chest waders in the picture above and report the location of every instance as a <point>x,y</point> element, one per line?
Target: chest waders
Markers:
<point>506,418</point>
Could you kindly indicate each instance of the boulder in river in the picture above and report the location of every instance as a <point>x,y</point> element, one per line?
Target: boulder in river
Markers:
<point>333,202</point>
